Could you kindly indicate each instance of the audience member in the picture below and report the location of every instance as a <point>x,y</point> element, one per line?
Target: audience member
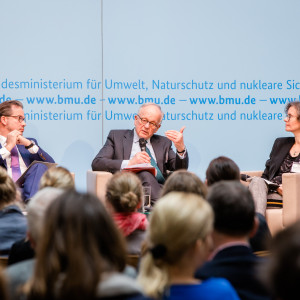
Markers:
<point>58,177</point>
<point>179,241</point>
<point>284,156</point>
<point>184,181</point>
<point>13,224</point>
<point>234,223</point>
<point>124,194</point>
<point>224,168</point>
<point>80,254</point>
<point>20,272</point>
<point>282,270</point>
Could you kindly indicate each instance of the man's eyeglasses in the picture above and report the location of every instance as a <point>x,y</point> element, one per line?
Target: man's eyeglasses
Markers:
<point>20,118</point>
<point>290,116</point>
<point>145,122</point>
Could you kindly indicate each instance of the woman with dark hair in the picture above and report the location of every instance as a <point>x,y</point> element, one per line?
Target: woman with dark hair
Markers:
<point>124,195</point>
<point>285,156</point>
<point>13,224</point>
<point>184,181</point>
<point>222,168</point>
<point>81,253</point>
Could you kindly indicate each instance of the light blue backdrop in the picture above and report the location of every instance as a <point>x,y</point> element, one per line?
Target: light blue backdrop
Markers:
<point>103,53</point>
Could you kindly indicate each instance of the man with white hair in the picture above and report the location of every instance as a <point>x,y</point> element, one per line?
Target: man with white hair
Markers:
<point>124,148</point>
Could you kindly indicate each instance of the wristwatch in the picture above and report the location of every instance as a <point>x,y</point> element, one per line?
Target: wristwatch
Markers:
<point>30,145</point>
<point>180,151</point>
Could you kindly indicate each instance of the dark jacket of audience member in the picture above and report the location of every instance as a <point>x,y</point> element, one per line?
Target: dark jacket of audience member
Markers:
<point>232,257</point>
<point>20,251</point>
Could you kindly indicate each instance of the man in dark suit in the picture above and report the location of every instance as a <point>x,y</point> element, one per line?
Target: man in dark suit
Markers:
<point>122,149</point>
<point>232,257</point>
<point>18,152</point>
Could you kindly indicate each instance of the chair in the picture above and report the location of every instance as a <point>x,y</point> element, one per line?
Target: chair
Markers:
<point>133,260</point>
<point>279,218</point>
<point>96,183</point>
<point>3,261</point>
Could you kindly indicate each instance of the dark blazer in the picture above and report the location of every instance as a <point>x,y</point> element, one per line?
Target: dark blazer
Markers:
<point>28,158</point>
<point>238,265</point>
<point>280,149</point>
<point>118,148</point>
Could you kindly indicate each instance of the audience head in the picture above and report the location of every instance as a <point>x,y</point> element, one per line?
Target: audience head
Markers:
<point>179,222</point>
<point>222,168</point>
<point>124,192</point>
<point>58,177</point>
<point>233,207</point>
<point>80,241</point>
<point>36,211</point>
<point>282,273</point>
<point>184,181</point>
<point>8,190</point>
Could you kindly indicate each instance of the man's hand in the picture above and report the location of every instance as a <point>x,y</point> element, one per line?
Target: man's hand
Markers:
<point>23,141</point>
<point>12,139</point>
<point>140,158</point>
<point>177,138</point>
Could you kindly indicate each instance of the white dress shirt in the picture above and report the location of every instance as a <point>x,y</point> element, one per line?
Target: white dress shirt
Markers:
<point>5,154</point>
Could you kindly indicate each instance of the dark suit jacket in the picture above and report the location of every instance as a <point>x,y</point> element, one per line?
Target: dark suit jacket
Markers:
<point>28,158</point>
<point>280,149</point>
<point>238,265</point>
<point>118,148</point>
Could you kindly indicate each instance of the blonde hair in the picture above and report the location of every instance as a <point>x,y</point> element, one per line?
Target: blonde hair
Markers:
<point>124,192</point>
<point>36,209</point>
<point>177,222</point>
<point>58,177</point>
<point>8,190</point>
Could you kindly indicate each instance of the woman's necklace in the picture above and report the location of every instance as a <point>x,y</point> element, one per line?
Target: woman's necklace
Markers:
<point>295,151</point>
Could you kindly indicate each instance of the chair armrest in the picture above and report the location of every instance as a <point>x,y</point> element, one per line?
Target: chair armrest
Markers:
<point>291,198</point>
<point>96,183</point>
<point>252,174</point>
